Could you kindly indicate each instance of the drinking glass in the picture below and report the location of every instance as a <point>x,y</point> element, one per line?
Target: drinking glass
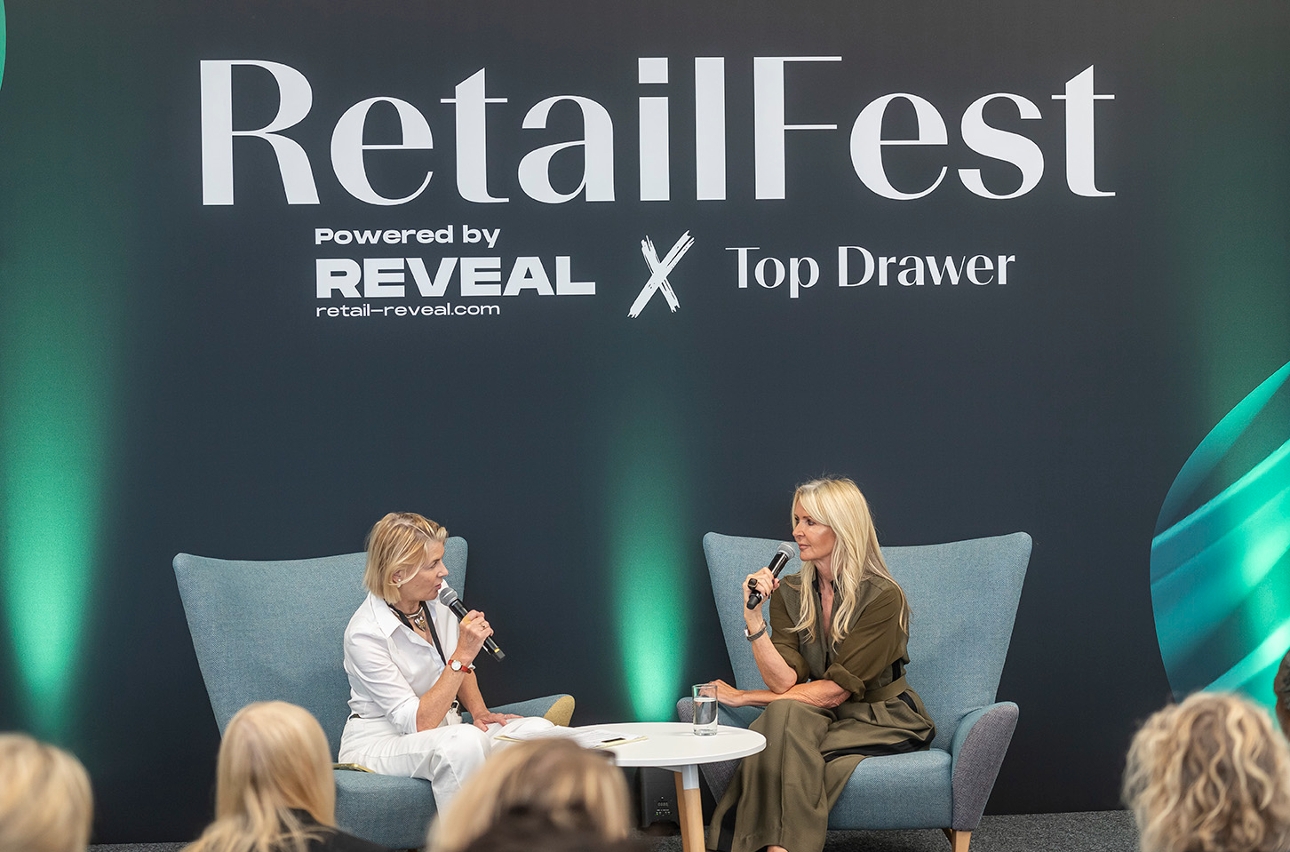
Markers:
<point>705,709</point>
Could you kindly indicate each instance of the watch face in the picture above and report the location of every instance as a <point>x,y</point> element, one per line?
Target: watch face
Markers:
<point>456,665</point>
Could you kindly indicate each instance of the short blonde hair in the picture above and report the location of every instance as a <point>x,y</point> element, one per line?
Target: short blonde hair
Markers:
<point>399,541</point>
<point>1210,775</point>
<point>274,759</point>
<point>573,788</point>
<point>45,799</point>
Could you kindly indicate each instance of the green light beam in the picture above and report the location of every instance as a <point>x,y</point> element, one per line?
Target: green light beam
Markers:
<point>52,412</point>
<point>648,495</point>
<point>62,275</point>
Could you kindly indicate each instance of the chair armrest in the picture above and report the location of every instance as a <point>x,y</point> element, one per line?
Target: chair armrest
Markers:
<point>531,707</point>
<point>737,717</point>
<point>976,753</point>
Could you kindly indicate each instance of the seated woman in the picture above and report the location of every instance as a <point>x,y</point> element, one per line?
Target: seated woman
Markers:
<point>1210,775</point>
<point>539,787</point>
<point>274,788</point>
<point>834,663</point>
<point>411,666</point>
<point>45,802</point>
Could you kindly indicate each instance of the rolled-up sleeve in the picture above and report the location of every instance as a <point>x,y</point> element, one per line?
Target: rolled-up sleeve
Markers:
<point>875,641</point>
<point>374,676</point>
<point>781,623</point>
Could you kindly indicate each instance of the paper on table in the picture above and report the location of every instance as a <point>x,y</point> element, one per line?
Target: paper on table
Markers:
<point>587,737</point>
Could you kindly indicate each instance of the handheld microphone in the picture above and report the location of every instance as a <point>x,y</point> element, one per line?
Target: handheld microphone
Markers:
<point>449,598</point>
<point>777,563</point>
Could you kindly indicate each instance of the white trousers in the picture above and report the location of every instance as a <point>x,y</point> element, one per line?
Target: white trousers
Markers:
<point>445,756</point>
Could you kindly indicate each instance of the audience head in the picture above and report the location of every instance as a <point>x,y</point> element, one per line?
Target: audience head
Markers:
<point>45,800</point>
<point>1281,686</point>
<point>273,760</point>
<point>400,541</point>
<point>552,780</point>
<point>1210,775</point>
<point>537,834</point>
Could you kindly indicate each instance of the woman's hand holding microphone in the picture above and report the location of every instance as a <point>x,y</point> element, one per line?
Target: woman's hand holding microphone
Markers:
<point>763,582</point>
<point>474,630</point>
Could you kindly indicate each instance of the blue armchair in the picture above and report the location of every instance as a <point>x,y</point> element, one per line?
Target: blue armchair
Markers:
<point>963,598</point>
<point>257,638</point>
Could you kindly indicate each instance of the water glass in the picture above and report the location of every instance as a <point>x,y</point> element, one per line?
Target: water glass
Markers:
<point>705,709</point>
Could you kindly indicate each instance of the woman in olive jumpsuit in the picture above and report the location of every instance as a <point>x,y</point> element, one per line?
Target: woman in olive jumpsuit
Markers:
<point>834,663</point>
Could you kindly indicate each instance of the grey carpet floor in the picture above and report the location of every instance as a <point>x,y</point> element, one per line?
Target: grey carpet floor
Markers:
<point>1098,831</point>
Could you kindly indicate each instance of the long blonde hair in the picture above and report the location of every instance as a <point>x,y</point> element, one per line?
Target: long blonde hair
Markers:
<point>1210,775</point>
<point>274,759</point>
<point>573,788</point>
<point>839,505</point>
<point>45,799</point>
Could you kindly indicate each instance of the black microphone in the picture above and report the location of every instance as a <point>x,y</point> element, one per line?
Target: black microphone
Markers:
<point>785,552</point>
<point>449,598</point>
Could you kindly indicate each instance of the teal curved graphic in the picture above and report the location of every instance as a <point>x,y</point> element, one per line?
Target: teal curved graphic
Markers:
<point>2,41</point>
<point>1220,558</point>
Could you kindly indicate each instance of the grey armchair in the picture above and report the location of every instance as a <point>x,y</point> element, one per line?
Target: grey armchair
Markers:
<point>963,597</point>
<point>257,637</point>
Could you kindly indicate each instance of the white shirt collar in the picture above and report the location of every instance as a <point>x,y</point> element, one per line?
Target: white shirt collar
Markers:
<point>386,621</point>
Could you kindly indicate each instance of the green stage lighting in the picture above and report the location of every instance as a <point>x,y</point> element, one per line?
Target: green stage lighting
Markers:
<point>51,460</point>
<point>648,498</point>
<point>60,272</point>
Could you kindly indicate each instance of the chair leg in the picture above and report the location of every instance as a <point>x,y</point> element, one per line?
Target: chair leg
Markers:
<point>959,840</point>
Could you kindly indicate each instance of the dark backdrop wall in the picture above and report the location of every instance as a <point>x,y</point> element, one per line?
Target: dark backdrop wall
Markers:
<point>173,380</point>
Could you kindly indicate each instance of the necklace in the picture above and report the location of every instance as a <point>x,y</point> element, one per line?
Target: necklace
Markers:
<point>415,620</point>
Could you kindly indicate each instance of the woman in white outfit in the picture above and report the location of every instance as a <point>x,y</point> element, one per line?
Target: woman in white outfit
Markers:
<point>411,665</point>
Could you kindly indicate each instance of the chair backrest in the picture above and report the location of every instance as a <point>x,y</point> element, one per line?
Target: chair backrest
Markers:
<point>963,599</point>
<point>274,629</point>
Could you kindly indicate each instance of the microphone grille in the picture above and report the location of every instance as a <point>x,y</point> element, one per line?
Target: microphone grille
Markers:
<point>785,548</point>
<point>447,596</point>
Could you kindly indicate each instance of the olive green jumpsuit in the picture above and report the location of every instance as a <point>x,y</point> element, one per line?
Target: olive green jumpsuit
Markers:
<point>782,795</point>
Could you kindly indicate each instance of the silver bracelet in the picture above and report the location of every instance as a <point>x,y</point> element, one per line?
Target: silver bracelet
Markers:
<point>753,637</point>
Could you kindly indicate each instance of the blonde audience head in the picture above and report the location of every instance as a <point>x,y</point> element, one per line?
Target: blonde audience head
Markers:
<point>45,800</point>
<point>571,788</point>
<point>274,762</point>
<point>1210,775</point>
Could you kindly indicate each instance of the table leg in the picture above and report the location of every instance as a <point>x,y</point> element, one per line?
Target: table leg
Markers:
<point>691,808</point>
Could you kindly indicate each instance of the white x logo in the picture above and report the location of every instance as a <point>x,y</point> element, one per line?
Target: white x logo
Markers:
<point>658,273</point>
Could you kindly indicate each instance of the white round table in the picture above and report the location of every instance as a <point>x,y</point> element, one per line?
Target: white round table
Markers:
<point>674,746</point>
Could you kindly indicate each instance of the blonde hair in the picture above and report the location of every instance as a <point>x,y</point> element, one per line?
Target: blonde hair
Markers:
<point>573,788</point>
<point>274,759</point>
<point>45,799</point>
<point>839,505</point>
<point>1210,774</point>
<point>399,541</point>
